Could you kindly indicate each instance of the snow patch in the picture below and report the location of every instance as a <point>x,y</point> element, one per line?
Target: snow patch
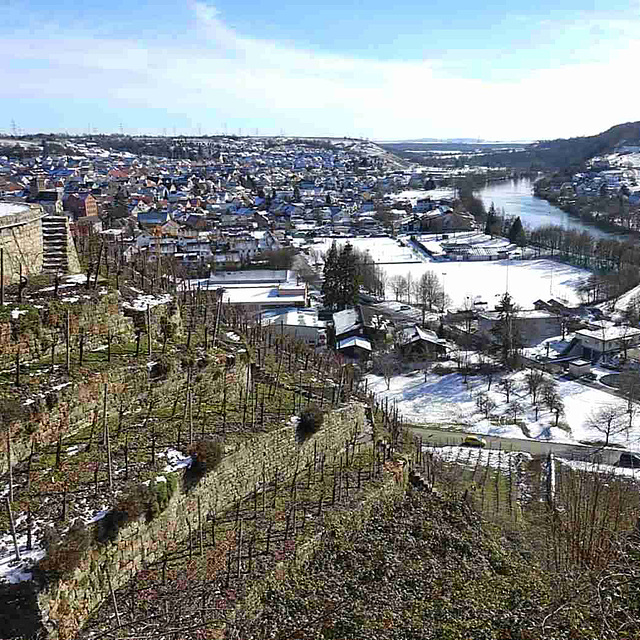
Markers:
<point>175,460</point>
<point>142,303</point>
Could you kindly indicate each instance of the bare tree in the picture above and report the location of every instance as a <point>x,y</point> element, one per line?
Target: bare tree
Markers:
<point>485,403</point>
<point>609,420</point>
<point>397,284</point>
<point>387,365</point>
<point>630,387</point>
<point>410,288</point>
<point>534,380</point>
<point>555,405</point>
<point>515,408</point>
<point>506,385</point>
<point>429,292</point>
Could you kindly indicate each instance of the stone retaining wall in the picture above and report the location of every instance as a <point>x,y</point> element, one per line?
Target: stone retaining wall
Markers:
<point>69,409</point>
<point>65,606</point>
<point>21,239</point>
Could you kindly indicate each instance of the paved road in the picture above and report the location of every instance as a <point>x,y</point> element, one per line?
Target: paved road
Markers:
<point>442,437</point>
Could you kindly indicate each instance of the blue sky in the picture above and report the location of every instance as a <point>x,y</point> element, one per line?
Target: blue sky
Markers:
<point>383,70</point>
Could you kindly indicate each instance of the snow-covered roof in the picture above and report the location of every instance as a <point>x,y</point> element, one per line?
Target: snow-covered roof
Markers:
<point>355,341</point>
<point>12,208</point>
<point>345,321</point>
<point>609,333</point>
<point>415,333</point>
<point>299,317</point>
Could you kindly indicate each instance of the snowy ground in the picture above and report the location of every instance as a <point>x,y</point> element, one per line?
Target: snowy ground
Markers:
<point>470,457</point>
<point>418,194</point>
<point>601,468</point>
<point>447,401</point>
<point>383,249</point>
<point>526,280</point>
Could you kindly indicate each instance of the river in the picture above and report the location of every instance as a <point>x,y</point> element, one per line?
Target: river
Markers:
<point>517,199</point>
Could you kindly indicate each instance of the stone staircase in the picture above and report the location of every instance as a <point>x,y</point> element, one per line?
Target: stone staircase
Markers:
<point>54,244</point>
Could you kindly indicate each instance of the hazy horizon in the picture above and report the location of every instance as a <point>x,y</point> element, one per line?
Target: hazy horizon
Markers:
<point>386,72</point>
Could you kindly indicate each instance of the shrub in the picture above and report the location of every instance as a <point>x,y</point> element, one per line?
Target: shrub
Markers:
<point>142,500</point>
<point>108,527</point>
<point>65,554</point>
<point>311,419</point>
<point>207,455</point>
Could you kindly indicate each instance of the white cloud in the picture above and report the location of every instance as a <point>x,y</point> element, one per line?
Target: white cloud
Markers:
<point>219,74</point>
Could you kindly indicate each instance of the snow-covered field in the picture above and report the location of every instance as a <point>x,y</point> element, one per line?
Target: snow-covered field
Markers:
<point>383,249</point>
<point>601,468</point>
<point>526,280</point>
<point>418,194</point>
<point>447,401</point>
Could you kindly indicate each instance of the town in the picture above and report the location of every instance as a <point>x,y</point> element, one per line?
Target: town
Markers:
<point>189,297</point>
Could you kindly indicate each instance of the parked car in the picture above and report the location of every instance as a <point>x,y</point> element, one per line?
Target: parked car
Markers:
<point>474,441</point>
<point>629,460</point>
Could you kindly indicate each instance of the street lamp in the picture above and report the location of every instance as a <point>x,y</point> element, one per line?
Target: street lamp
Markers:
<point>444,294</point>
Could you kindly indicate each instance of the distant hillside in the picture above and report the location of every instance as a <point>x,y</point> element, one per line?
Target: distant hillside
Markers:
<point>562,154</point>
<point>569,154</point>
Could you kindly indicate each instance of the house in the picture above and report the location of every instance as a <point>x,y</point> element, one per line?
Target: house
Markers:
<point>260,289</point>
<point>152,218</point>
<point>579,368</point>
<point>420,343</point>
<point>533,325</point>
<point>346,324</point>
<point>355,347</point>
<point>86,226</point>
<point>81,205</point>
<point>607,340</point>
<point>300,323</point>
<point>50,200</point>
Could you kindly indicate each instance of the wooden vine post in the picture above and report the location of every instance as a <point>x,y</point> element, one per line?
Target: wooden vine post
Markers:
<point>12,527</point>
<point>107,439</point>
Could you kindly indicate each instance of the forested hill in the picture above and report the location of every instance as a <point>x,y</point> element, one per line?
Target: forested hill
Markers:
<point>568,154</point>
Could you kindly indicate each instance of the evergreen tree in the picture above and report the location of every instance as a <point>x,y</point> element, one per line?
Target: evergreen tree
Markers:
<point>348,278</point>
<point>330,284</point>
<point>507,337</point>
<point>120,208</point>
<point>341,284</point>
<point>517,234</point>
<point>492,224</point>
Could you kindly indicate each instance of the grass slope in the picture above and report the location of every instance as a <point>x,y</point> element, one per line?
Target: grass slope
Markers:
<point>429,567</point>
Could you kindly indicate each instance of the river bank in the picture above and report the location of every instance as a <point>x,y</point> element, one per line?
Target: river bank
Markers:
<point>517,198</point>
<point>586,213</point>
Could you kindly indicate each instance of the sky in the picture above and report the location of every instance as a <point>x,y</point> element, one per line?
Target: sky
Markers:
<point>376,69</point>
